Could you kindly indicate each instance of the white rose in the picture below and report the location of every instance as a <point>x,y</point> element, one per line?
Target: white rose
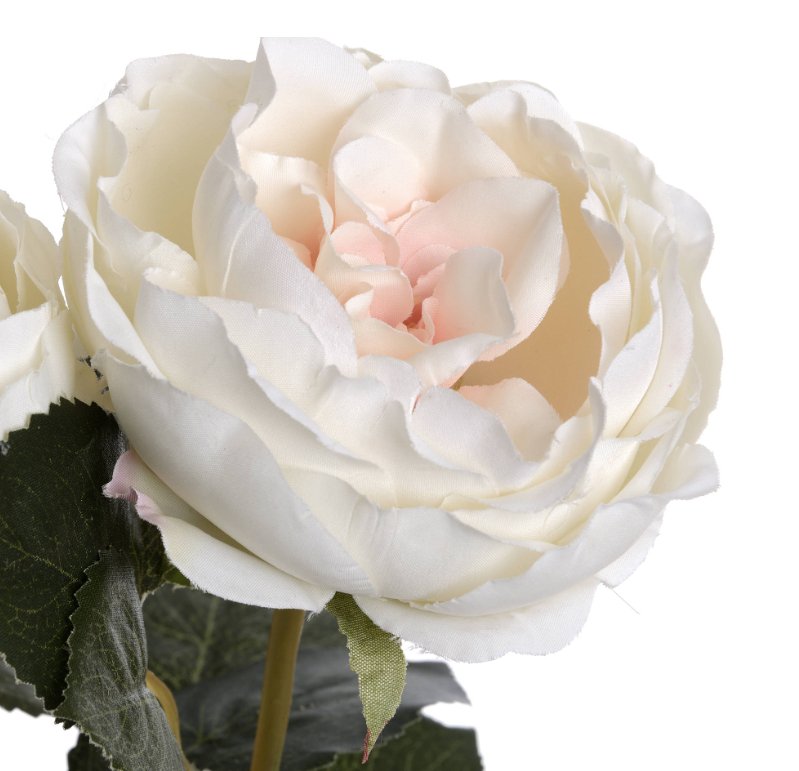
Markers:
<point>37,366</point>
<point>441,349</point>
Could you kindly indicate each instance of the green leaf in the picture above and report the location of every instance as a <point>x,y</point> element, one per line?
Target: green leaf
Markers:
<point>84,756</point>
<point>193,636</point>
<point>377,658</point>
<point>106,693</point>
<point>17,695</point>
<point>219,701</point>
<point>423,746</point>
<point>54,520</point>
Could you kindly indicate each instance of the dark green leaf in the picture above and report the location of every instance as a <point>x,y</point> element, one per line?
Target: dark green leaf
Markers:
<point>106,692</point>
<point>424,745</point>
<point>54,520</point>
<point>193,636</point>
<point>219,706</point>
<point>16,695</point>
<point>84,756</point>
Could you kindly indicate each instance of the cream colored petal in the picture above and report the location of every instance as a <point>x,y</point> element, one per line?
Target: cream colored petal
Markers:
<point>282,196</point>
<point>694,234</point>
<point>637,171</point>
<point>387,542</point>
<point>401,74</point>
<point>215,463</point>
<point>520,219</point>
<point>528,417</point>
<point>382,174</point>
<point>190,345</point>
<point>180,118</point>
<point>539,629</point>
<point>316,87</point>
<point>211,560</point>
<point>30,264</point>
<point>242,258</point>
<point>472,297</point>
<point>101,322</point>
<point>20,336</point>
<point>449,148</point>
<point>48,376</point>
<point>391,297</point>
<point>610,310</point>
<point>262,335</point>
<point>483,98</point>
<point>469,437</point>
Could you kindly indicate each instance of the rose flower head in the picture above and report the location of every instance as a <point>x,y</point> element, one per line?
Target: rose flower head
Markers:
<point>442,349</point>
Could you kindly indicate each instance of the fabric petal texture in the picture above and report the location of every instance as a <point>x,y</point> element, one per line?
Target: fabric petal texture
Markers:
<point>444,350</point>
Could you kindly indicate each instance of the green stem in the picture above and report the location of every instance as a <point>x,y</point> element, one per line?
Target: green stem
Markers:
<point>273,717</point>
<point>161,691</point>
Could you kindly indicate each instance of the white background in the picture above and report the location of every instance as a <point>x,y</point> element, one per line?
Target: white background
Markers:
<point>702,674</point>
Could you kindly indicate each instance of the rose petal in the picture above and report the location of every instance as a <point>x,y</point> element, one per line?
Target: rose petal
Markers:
<point>392,296</point>
<point>205,555</point>
<point>189,343</point>
<point>48,375</point>
<point>381,174</point>
<point>519,218</point>
<point>282,194</point>
<point>469,437</point>
<point>102,323</point>
<point>242,258</point>
<point>528,417</point>
<point>472,296</point>
<point>371,534</point>
<point>316,87</point>
<point>483,100</point>
<point>215,463</point>
<point>400,74</point>
<point>437,130</point>
<point>539,629</point>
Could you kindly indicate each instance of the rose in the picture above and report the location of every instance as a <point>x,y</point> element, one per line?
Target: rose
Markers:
<point>37,365</point>
<point>443,350</point>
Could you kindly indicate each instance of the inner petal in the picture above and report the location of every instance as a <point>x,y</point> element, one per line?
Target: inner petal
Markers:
<point>282,184</point>
<point>382,174</point>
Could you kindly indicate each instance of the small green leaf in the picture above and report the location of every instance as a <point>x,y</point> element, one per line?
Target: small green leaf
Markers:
<point>84,756</point>
<point>377,658</point>
<point>423,746</point>
<point>54,520</point>
<point>106,693</point>
<point>17,695</point>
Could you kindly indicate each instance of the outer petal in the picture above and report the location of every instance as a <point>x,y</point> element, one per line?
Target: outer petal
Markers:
<point>425,568</point>
<point>215,463</point>
<point>694,234</point>
<point>211,560</point>
<point>191,348</point>
<point>539,629</point>
<point>527,416</point>
<point>541,610</point>
<point>539,103</point>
